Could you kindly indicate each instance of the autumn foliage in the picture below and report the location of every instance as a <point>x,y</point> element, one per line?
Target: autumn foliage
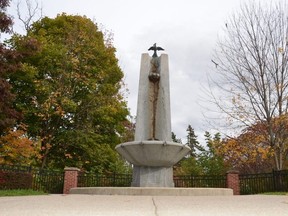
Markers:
<point>251,152</point>
<point>68,89</point>
<point>17,148</point>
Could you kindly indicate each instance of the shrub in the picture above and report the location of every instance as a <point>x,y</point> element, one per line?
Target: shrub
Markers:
<point>15,180</point>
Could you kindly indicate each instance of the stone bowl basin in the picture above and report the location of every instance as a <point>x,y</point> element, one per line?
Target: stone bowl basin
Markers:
<point>152,152</point>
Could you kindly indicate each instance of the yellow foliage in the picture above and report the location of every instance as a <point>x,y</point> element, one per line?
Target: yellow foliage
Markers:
<point>17,148</point>
<point>249,152</point>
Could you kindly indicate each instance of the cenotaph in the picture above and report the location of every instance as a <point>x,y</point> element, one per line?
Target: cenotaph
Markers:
<point>152,152</point>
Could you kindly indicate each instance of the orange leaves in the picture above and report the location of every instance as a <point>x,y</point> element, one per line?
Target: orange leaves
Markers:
<point>257,145</point>
<point>16,147</point>
<point>250,152</point>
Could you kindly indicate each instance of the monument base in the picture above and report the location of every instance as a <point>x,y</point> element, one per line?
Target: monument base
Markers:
<point>144,176</point>
<point>152,191</point>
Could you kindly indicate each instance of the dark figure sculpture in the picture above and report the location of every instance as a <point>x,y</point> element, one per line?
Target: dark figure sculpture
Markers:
<point>155,48</point>
<point>154,74</point>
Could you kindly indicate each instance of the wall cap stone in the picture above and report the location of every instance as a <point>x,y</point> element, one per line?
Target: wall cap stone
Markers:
<point>232,172</point>
<point>71,169</point>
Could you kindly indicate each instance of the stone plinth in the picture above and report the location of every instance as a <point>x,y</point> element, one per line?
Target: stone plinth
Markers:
<point>144,176</point>
<point>152,191</point>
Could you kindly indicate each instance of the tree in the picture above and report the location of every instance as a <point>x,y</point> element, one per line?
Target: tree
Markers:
<point>5,20</point>
<point>34,11</point>
<point>8,64</point>
<point>69,91</point>
<point>192,141</point>
<point>175,139</point>
<point>188,165</point>
<point>205,162</point>
<point>211,162</point>
<point>252,69</point>
<point>202,160</point>
<point>129,131</point>
<point>249,152</point>
<point>16,148</point>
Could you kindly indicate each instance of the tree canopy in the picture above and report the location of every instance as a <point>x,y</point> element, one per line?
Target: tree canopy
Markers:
<point>68,89</point>
<point>203,160</point>
<point>8,64</point>
<point>249,152</point>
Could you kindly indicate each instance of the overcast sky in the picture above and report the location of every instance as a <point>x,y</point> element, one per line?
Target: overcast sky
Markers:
<point>186,29</point>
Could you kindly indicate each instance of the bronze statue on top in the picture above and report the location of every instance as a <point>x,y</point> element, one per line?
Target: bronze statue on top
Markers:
<point>154,75</point>
<point>155,48</point>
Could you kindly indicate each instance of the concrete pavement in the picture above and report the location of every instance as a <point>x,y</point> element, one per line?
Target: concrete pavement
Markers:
<point>105,205</point>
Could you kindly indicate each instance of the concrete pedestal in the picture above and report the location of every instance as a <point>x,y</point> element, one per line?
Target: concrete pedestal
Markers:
<point>152,176</point>
<point>152,191</point>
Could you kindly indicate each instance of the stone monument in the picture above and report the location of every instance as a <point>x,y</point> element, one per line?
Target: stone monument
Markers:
<point>153,153</point>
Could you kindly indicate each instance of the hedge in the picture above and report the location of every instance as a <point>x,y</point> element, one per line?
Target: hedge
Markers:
<point>15,180</point>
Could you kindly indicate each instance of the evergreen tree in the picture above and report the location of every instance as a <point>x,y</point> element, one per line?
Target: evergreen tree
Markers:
<point>210,162</point>
<point>175,139</point>
<point>192,142</point>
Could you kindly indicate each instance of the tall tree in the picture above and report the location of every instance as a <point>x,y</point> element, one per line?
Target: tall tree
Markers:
<point>69,92</point>
<point>252,66</point>
<point>204,161</point>
<point>8,64</point>
<point>192,141</point>
<point>211,162</point>
<point>175,138</point>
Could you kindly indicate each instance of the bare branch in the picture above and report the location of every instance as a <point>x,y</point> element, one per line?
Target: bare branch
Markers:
<point>252,66</point>
<point>34,13</point>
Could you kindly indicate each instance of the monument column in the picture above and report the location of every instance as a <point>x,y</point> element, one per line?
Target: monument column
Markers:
<point>153,119</point>
<point>153,107</point>
<point>153,153</point>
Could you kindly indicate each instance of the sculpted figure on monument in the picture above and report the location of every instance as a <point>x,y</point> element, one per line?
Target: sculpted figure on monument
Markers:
<point>155,48</point>
<point>154,75</point>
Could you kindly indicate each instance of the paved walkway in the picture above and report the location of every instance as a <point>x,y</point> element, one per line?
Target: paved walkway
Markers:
<point>80,205</point>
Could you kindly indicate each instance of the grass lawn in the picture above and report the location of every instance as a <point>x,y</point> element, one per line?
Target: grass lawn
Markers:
<point>275,193</point>
<point>20,192</point>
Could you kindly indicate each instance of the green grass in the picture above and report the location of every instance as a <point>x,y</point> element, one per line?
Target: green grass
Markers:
<point>20,192</point>
<point>275,193</point>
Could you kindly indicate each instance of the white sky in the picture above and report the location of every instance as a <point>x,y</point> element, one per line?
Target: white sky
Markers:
<point>186,29</point>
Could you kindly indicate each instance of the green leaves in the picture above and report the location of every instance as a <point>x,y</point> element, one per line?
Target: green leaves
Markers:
<point>203,160</point>
<point>68,89</point>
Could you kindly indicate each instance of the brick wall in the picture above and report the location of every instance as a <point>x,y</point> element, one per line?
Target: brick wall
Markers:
<point>70,179</point>
<point>233,181</point>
